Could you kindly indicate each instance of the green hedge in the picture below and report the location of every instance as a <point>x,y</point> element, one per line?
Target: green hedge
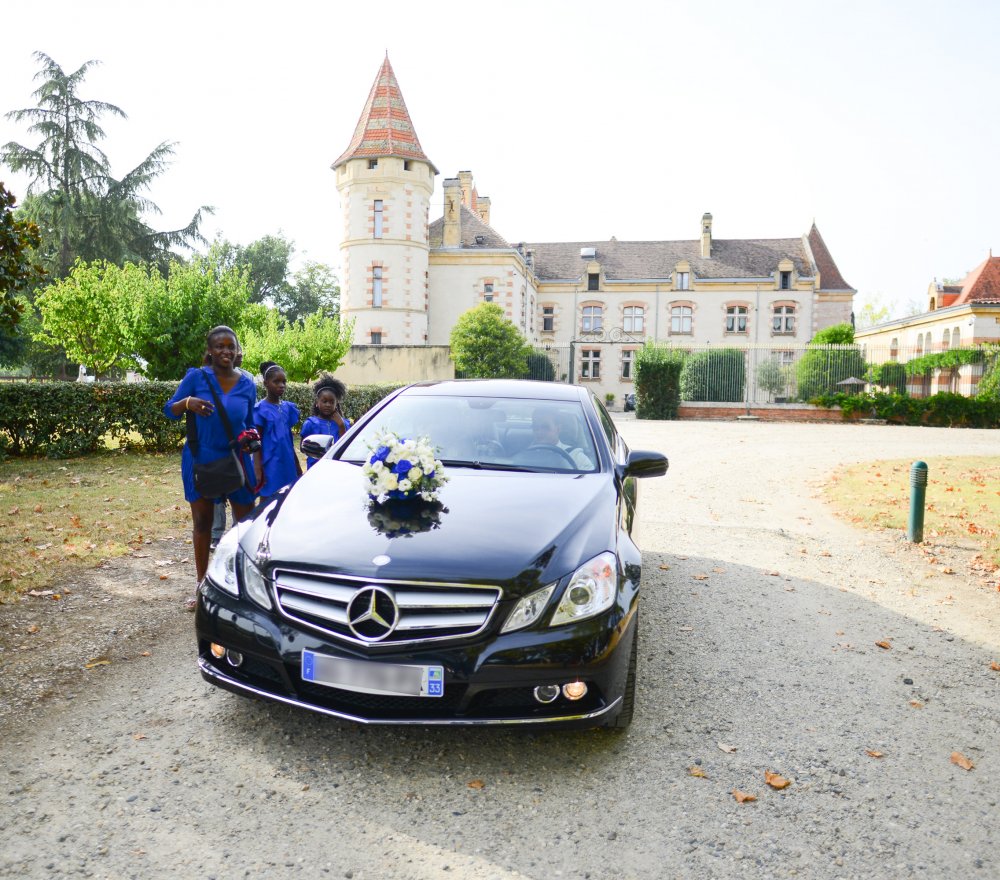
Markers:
<point>65,419</point>
<point>657,381</point>
<point>716,375</point>
<point>939,410</point>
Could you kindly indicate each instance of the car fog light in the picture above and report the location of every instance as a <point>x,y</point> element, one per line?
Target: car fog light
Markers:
<point>235,658</point>
<point>574,690</point>
<point>218,652</point>
<point>546,693</point>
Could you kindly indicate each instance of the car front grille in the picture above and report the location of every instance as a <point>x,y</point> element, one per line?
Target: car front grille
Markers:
<point>423,612</point>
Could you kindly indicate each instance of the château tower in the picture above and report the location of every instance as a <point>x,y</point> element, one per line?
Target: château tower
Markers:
<point>385,182</point>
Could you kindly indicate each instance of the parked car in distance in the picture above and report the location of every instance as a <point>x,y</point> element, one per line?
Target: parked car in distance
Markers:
<point>510,600</point>
<point>630,402</point>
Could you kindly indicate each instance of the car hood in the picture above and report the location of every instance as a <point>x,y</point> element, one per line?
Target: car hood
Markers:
<point>525,529</point>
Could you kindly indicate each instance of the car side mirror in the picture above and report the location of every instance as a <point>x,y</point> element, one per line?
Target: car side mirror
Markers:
<point>316,445</point>
<point>644,463</point>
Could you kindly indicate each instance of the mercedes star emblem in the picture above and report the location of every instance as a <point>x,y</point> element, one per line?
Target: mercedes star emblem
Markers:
<point>372,614</point>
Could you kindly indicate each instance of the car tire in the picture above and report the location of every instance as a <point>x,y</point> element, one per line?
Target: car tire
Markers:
<point>624,718</point>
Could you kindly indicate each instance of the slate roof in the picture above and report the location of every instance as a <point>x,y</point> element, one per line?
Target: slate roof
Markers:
<point>472,227</point>
<point>982,284</point>
<point>625,260</point>
<point>385,127</point>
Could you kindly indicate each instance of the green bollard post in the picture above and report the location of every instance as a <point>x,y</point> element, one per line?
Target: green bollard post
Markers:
<point>918,492</point>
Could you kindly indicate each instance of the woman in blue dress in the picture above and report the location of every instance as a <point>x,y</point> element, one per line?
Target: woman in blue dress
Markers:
<point>238,394</point>
<point>274,418</point>
<point>328,416</point>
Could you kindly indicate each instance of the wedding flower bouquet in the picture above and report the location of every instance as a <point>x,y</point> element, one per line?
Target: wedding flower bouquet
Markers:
<point>401,468</point>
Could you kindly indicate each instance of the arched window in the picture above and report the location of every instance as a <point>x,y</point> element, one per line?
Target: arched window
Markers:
<point>894,349</point>
<point>920,344</point>
<point>946,340</point>
<point>956,337</point>
<point>681,319</point>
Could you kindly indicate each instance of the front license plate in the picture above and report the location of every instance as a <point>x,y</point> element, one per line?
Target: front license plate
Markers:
<point>366,677</point>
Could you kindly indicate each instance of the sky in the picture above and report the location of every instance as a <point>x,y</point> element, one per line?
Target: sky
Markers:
<point>580,120</point>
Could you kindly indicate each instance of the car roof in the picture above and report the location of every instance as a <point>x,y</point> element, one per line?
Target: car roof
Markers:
<point>527,389</point>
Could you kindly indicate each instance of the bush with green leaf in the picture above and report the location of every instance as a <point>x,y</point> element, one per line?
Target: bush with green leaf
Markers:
<point>717,375</point>
<point>657,381</point>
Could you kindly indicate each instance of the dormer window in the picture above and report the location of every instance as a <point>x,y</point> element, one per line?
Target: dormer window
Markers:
<point>593,281</point>
<point>785,281</point>
<point>683,280</point>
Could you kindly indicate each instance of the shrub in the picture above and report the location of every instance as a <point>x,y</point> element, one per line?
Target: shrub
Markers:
<point>715,375</point>
<point>657,381</point>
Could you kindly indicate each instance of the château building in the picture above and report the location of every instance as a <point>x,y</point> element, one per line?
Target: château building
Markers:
<point>589,304</point>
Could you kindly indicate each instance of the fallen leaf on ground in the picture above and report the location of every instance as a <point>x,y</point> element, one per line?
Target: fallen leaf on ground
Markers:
<point>725,747</point>
<point>34,628</point>
<point>138,736</point>
<point>960,760</point>
<point>995,666</point>
<point>916,704</point>
<point>776,781</point>
<point>476,783</point>
<point>686,629</point>
<point>97,661</point>
<point>697,771</point>
<point>700,577</point>
<point>719,570</point>
<point>871,753</point>
<point>664,568</point>
<point>743,797</point>
<point>884,645</point>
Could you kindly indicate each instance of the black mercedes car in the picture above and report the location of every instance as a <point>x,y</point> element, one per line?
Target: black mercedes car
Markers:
<point>510,598</point>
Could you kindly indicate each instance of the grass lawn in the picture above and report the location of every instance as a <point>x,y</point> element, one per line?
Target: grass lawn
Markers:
<point>61,516</point>
<point>963,498</point>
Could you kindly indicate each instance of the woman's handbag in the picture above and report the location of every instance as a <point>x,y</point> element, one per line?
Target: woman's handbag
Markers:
<point>222,477</point>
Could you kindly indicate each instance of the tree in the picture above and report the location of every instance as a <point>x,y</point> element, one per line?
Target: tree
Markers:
<point>18,238</point>
<point>831,357</point>
<point>304,349</point>
<point>174,314</point>
<point>90,313</point>
<point>485,345</point>
<point>871,313</point>
<point>314,288</point>
<point>772,377</point>
<point>265,261</point>
<point>82,209</point>
<point>716,375</point>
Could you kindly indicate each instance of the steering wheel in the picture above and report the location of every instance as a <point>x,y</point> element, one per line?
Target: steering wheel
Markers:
<point>489,448</point>
<point>546,447</point>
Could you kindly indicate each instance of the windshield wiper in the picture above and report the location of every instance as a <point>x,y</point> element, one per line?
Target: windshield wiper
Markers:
<point>483,465</point>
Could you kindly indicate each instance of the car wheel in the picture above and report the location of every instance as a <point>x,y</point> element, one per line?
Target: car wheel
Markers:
<point>624,718</point>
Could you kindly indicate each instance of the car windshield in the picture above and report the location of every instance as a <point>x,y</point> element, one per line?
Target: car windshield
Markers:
<point>487,432</point>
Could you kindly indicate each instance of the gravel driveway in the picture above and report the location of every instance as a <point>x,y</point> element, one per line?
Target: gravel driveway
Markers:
<point>760,618</point>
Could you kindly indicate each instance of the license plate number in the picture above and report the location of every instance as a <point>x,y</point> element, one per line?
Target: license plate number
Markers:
<point>366,677</point>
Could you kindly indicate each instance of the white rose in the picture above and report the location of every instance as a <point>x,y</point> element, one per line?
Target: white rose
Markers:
<point>415,474</point>
<point>389,480</point>
<point>404,485</point>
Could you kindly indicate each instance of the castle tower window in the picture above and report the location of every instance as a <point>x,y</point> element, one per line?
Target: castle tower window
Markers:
<point>378,218</point>
<point>488,292</point>
<point>376,287</point>
<point>373,163</point>
<point>376,337</point>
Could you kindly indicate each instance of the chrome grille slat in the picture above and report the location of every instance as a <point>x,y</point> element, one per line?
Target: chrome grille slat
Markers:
<point>427,612</point>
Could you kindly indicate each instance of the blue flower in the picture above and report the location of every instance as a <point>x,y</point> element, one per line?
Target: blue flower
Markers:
<point>402,467</point>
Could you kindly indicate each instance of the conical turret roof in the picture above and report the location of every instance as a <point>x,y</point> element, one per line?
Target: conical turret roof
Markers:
<point>385,127</point>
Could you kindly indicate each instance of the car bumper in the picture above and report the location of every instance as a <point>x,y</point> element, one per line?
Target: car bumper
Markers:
<point>487,681</point>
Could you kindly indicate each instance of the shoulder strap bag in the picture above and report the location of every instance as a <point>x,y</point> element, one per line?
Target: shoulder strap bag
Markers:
<point>222,477</point>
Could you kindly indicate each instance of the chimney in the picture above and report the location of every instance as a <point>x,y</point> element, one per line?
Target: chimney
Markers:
<point>468,188</point>
<point>706,236</point>
<point>483,208</point>
<point>452,213</point>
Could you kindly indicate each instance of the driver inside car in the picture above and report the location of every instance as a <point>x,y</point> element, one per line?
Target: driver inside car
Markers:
<point>545,432</point>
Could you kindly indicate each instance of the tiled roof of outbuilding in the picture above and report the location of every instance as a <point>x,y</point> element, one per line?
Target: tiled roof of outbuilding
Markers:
<point>982,284</point>
<point>385,127</point>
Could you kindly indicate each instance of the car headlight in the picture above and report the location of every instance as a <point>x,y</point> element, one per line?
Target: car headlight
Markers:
<point>528,609</point>
<point>590,591</point>
<point>253,581</point>
<point>222,567</point>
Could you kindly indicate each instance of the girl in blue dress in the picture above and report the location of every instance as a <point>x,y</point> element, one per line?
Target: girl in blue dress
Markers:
<point>274,418</point>
<point>238,394</point>
<point>328,416</point>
